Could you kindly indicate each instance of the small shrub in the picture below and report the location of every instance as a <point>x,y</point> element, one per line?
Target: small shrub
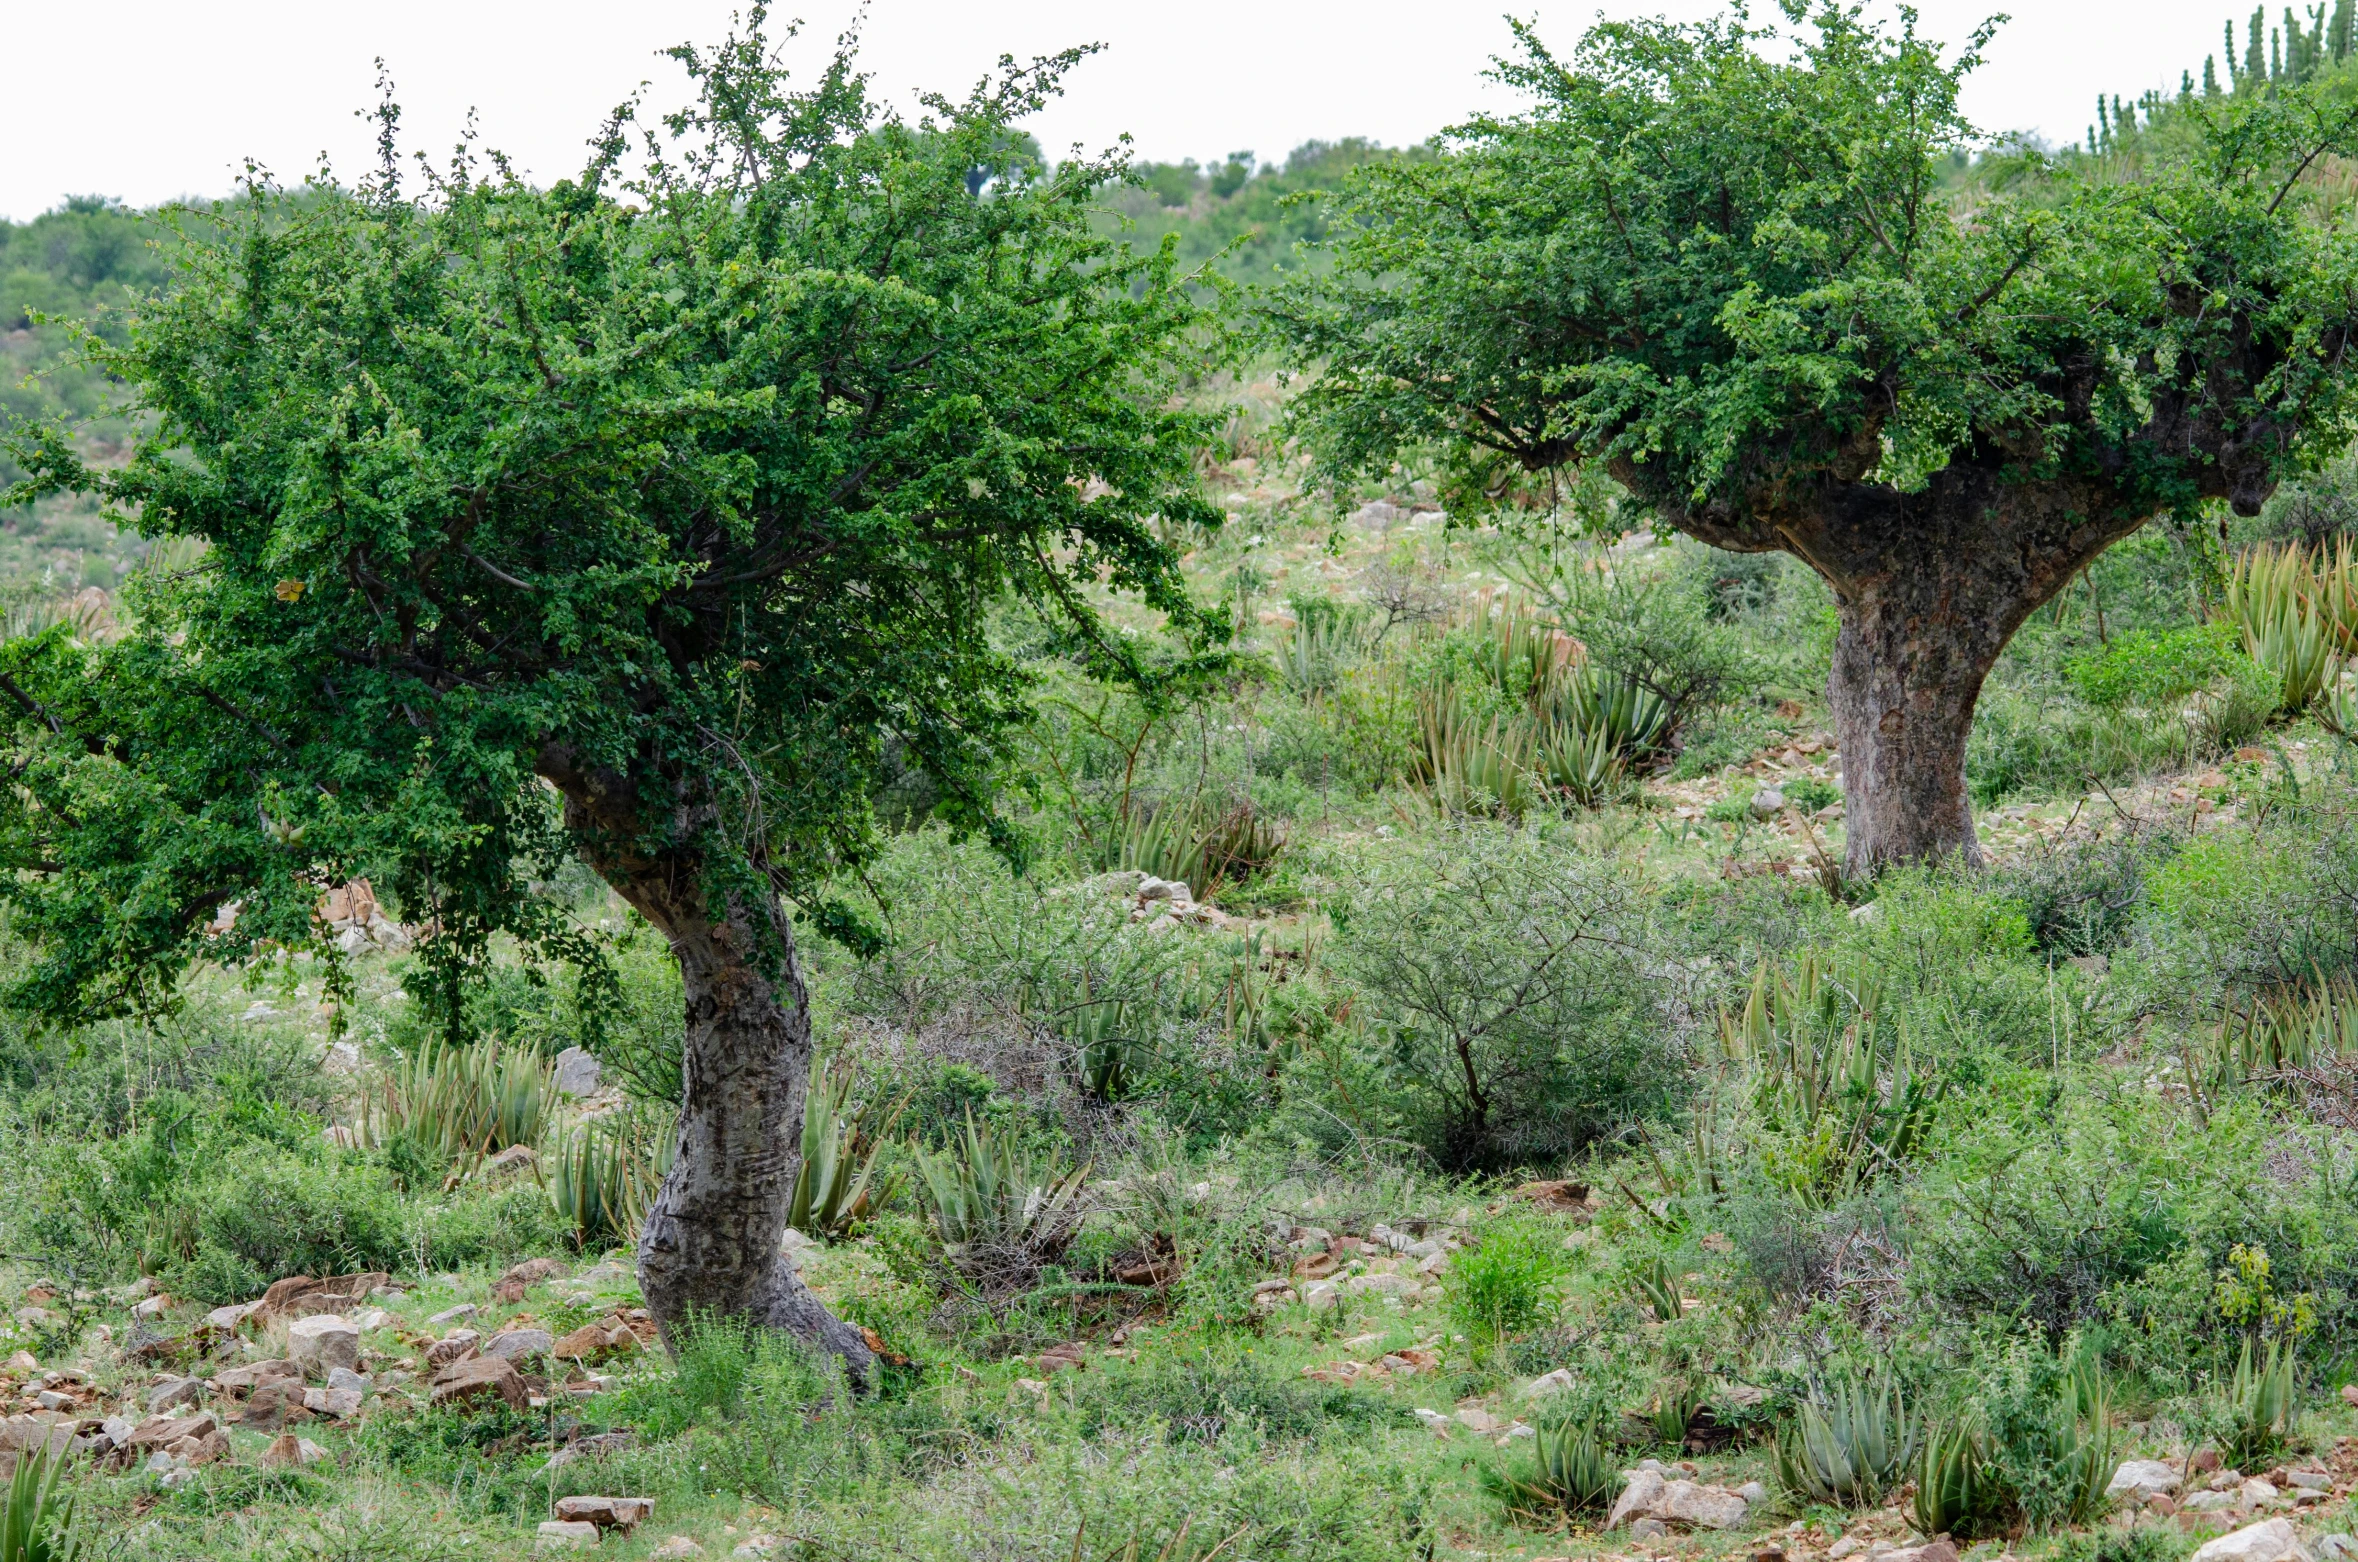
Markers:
<point>1503,1283</point>
<point>2159,667</point>
<point>2254,1417</point>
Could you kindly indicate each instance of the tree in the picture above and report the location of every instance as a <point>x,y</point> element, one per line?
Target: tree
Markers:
<point>652,520</point>
<point>1736,283</point>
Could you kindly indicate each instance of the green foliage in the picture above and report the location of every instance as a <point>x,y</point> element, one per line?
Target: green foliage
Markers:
<point>1955,1491</point>
<point>628,483</point>
<point>2158,667</point>
<point>998,1212</point>
<point>2255,1413</point>
<point>2275,598</point>
<point>1502,1283</point>
<point>36,1517</point>
<point>840,1148</point>
<point>461,1103</point>
<point>602,1177</point>
<point>1573,1472</point>
<point>1656,1284</point>
<point>1507,1017</point>
<point>1850,1443</point>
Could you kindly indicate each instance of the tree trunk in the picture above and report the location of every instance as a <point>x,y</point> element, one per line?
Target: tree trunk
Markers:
<point>711,1247</point>
<point>1905,678</point>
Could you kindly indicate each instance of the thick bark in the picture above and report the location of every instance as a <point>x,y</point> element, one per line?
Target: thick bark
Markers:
<point>711,1247</point>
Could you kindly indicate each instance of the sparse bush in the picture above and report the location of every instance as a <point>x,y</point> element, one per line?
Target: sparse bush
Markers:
<point>1502,1283</point>
<point>1506,1004</point>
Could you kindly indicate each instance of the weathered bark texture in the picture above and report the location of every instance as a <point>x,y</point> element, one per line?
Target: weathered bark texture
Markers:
<point>711,1247</point>
<point>1929,586</point>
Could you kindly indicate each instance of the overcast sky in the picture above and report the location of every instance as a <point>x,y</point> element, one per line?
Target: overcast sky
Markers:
<point>151,99</point>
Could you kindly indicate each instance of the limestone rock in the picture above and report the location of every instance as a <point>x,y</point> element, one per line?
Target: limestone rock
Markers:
<point>2310,1480</point>
<point>164,1431</point>
<point>453,1314</point>
<point>2143,1478</point>
<point>273,1403</point>
<point>1648,1529</point>
<point>226,1319</point>
<point>1322,1296</point>
<point>173,1392</point>
<point>1936,1551</point>
<point>564,1535</point>
<point>1639,1497</point>
<point>322,1343</point>
<point>519,1344</point>
<point>1550,1383</point>
<point>2272,1540</point>
<point>341,1403</point>
<point>457,1345</point>
<point>677,1549</point>
<point>1706,1507</point>
<point>289,1452</point>
<point>480,1378</point>
<point>345,1377</point>
<point>577,1073</point>
<point>622,1513</point>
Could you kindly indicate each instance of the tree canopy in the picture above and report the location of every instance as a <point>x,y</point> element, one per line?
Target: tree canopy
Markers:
<point>698,473</point>
<point>1742,281</point>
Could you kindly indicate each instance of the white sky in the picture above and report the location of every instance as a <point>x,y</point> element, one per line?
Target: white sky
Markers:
<point>151,99</point>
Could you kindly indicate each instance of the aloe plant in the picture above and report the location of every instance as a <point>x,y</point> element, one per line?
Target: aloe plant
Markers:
<point>2262,1403</point>
<point>1955,1492</point>
<point>1851,1444</point>
<point>1657,1286</point>
<point>2286,610</point>
<point>1574,1472</point>
<point>839,1156</point>
<point>36,1518</point>
<point>602,1177</point>
<point>462,1102</point>
<point>1474,769</point>
<point>998,1213</point>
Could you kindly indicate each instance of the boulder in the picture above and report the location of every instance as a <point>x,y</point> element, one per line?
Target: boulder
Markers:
<point>515,1160</point>
<point>2335,1548</point>
<point>564,1535</point>
<point>322,1343</point>
<point>595,1342</point>
<point>164,1431</point>
<point>622,1513</point>
<point>1710,1507</point>
<point>577,1073</point>
<point>153,1307</point>
<point>480,1378</point>
<point>1640,1495</point>
<point>2272,1540</point>
<point>173,1392</point>
<point>1550,1383</point>
<point>289,1452</point>
<point>273,1403</point>
<point>341,1403</point>
<point>1648,1529</point>
<point>453,1314</point>
<point>2143,1478</point>
<point>457,1345</point>
<point>226,1319</point>
<point>2310,1480</point>
<point>519,1344</point>
<point>203,1448</point>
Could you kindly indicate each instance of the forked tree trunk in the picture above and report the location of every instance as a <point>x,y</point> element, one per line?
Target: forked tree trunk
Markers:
<point>712,1245</point>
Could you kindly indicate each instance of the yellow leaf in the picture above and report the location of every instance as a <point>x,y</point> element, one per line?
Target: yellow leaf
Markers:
<point>290,591</point>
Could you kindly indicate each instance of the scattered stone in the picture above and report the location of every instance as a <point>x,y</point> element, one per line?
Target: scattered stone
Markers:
<point>677,1549</point>
<point>525,1276</point>
<point>1753,1492</point>
<point>371,1318</point>
<point>174,1391</point>
<point>519,1344</point>
<point>51,1399</point>
<point>1322,1296</point>
<point>23,1362</point>
<point>1847,1546</point>
<point>2310,1480</point>
<point>457,1345</point>
<point>516,1158</point>
<point>302,1296</point>
<point>1936,1551</point>
<point>2272,1540</point>
<point>323,1342</point>
<point>1561,1194</point>
<point>596,1446</point>
<point>2335,1548</point>
<point>1639,1497</point>
<point>226,1319</point>
<point>2209,1502</point>
<point>1648,1529</point>
<point>2143,1478</point>
<point>577,1073</point>
<point>480,1377</point>
<point>289,1452</point>
<point>1435,1422</point>
<point>2256,1493</point>
<point>1551,1383</point>
<point>1479,1421</point>
<point>345,1377</point>
<point>153,1307</point>
<point>273,1403</point>
<point>2206,1460</point>
<point>595,1342</point>
<point>2161,1504</point>
<point>1767,803</point>
<point>453,1315</point>
<point>341,1403</point>
<point>564,1535</point>
<point>622,1513</point>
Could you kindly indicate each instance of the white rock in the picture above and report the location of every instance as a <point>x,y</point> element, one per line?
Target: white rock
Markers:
<point>154,1306</point>
<point>1479,1421</point>
<point>2335,1548</point>
<point>1648,1529</point>
<point>1322,1296</point>
<point>1847,1546</point>
<point>2273,1540</point>
<point>323,1342</point>
<point>677,1549</point>
<point>158,1463</point>
<point>2209,1502</point>
<point>1638,1498</point>
<point>452,1314</point>
<point>1705,1507</point>
<point>345,1377</point>
<point>1435,1422</point>
<point>577,1073</point>
<point>2143,1478</point>
<point>1550,1383</point>
<point>341,1403</point>
<point>227,1319</point>
<point>520,1344</point>
<point>174,1391</point>
<point>1753,1492</point>
<point>2255,1493</point>
<point>1767,803</point>
<point>562,1535</point>
<point>2310,1480</point>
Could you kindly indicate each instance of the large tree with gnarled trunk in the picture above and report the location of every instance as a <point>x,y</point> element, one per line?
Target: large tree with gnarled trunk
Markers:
<point>653,518</point>
<point>1732,277</point>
